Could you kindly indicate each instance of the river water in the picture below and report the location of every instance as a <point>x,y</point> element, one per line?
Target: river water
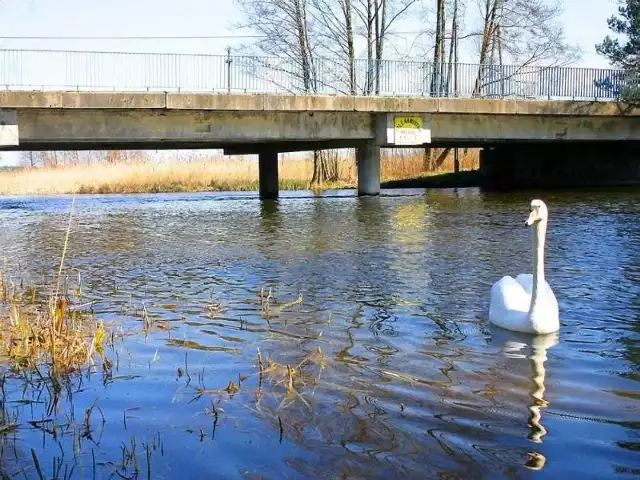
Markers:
<point>380,305</point>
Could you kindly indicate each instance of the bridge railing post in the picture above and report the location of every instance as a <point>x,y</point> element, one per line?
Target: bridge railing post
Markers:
<point>228,61</point>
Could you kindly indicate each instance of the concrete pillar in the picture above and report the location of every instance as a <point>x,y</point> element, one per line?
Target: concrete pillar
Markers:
<point>368,160</point>
<point>268,174</point>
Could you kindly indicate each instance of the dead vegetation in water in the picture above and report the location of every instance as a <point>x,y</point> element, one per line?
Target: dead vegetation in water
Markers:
<point>266,301</point>
<point>34,334</point>
<point>47,325</point>
<point>282,378</point>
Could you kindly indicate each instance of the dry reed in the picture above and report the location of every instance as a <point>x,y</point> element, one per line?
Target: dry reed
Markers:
<point>39,328</point>
<point>140,175</point>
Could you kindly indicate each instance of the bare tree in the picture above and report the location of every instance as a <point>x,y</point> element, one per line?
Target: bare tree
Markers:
<point>302,30</point>
<point>286,31</point>
<point>289,32</point>
<point>523,32</point>
<point>438,49</point>
<point>335,19</point>
<point>28,159</point>
<point>453,51</point>
<point>378,18</point>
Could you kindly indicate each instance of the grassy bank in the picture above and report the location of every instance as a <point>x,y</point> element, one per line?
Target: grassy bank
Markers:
<point>140,174</point>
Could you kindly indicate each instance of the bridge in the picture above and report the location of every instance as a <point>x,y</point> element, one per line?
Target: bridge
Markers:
<point>536,125</point>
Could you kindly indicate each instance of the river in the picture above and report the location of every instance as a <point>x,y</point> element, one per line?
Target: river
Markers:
<point>380,305</point>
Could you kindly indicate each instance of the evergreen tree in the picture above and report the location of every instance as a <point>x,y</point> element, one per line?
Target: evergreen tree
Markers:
<point>625,54</point>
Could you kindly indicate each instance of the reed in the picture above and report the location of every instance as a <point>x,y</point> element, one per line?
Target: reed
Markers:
<point>44,326</point>
<point>140,174</point>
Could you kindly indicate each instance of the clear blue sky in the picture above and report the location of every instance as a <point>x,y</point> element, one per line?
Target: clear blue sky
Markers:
<point>584,20</point>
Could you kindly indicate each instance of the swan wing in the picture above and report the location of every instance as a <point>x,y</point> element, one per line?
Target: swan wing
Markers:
<point>526,280</point>
<point>509,304</point>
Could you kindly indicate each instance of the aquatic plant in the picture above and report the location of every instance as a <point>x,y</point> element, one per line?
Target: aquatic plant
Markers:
<point>47,326</point>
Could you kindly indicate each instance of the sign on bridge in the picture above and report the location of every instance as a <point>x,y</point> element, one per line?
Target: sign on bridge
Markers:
<point>8,128</point>
<point>407,130</point>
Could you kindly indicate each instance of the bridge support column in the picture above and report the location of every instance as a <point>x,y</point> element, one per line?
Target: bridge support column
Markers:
<point>368,160</point>
<point>268,174</point>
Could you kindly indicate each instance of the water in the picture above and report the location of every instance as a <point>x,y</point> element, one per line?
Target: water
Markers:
<point>412,381</point>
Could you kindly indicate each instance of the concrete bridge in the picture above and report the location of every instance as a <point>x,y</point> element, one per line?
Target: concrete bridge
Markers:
<point>536,124</point>
<point>535,141</point>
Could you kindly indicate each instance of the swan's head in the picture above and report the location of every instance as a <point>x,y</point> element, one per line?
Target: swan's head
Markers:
<point>538,212</point>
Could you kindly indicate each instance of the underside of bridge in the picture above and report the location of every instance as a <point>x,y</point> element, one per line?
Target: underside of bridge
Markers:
<point>560,164</point>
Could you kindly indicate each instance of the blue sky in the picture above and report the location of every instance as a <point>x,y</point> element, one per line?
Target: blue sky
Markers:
<point>584,20</point>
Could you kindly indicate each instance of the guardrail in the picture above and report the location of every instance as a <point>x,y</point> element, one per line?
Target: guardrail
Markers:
<point>122,71</point>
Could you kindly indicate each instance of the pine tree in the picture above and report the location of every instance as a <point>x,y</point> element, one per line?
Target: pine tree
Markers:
<point>625,55</point>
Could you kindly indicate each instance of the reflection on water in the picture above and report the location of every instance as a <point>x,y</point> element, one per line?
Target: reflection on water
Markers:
<point>334,337</point>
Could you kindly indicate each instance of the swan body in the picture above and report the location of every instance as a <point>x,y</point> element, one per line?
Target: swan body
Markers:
<point>527,303</point>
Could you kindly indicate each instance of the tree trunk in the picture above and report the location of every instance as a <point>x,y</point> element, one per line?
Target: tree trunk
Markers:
<point>438,49</point>
<point>370,44</point>
<point>491,7</point>
<point>300,21</point>
<point>351,51</point>
<point>381,20</point>
<point>453,45</point>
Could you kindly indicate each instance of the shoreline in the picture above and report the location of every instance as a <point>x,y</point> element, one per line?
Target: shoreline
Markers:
<point>139,175</point>
<point>463,179</point>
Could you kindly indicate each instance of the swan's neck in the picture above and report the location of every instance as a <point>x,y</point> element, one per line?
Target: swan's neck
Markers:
<point>539,232</point>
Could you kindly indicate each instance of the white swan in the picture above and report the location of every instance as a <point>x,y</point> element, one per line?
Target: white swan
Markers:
<point>527,303</point>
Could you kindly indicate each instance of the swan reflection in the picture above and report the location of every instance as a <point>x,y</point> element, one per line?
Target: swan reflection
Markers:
<point>534,348</point>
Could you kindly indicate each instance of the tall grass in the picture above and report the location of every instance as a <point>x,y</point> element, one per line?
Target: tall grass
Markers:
<point>142,175</point>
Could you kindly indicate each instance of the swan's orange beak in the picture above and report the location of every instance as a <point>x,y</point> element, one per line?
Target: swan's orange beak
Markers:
<point>533,217</point>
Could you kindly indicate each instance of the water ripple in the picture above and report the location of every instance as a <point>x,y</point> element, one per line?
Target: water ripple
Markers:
<point>380,306</point>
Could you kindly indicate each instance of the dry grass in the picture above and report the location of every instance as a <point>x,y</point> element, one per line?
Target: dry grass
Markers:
<point>40,327</point>
<point>38,333</point>
<point>140,175</point>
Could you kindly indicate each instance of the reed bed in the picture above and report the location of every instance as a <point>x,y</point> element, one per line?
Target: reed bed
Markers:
<point>45,325</point>
<point>139,174</point>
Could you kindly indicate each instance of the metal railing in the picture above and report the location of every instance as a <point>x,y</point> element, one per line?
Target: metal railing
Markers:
<point>119,71</point>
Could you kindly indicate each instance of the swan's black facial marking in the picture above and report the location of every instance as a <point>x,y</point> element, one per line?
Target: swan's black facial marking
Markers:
<point>537,212</point>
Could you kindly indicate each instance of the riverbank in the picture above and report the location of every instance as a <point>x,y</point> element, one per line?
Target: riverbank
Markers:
<point>139,174</point>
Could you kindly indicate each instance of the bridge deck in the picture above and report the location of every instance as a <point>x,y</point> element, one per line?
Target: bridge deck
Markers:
<point>302,103</point>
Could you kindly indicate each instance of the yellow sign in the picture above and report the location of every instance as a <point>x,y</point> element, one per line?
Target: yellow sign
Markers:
<point>413,121</point>
<point>409,130</point>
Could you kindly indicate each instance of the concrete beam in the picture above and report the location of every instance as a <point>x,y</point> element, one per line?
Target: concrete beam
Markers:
<point>82,100</point>
<point>72,128</point>
<point>482,129</point>
<point>282,147</point>
<point>98,127</point>
<point>415,104</point>
<point>308,103</point>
